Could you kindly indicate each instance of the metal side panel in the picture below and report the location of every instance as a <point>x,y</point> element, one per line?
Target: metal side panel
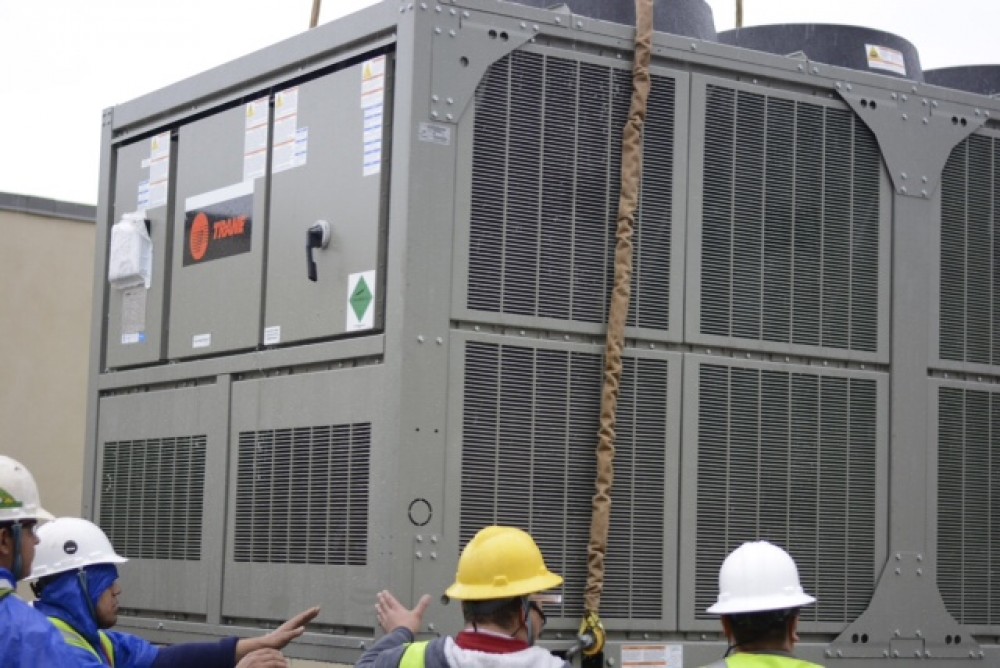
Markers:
<point>789,225</point>
<point>135,313</point>
<point>789,453</point>
<point>306,497</point>
<point>964,466</point>
<point>539,180</point>
<point>522,436</point>
<point>967,304</point>
<point>331,143</point>
<point>160,494</point>
<point>219,224</point>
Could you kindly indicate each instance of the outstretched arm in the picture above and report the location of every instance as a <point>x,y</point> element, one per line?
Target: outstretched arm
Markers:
<point>279,637</point>
<point>392,614</point>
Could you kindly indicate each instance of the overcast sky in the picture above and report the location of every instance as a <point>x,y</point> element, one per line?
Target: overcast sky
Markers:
<point>63,61</point>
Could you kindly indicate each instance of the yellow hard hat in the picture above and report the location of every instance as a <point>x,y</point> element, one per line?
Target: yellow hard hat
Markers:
<point>501,562</point>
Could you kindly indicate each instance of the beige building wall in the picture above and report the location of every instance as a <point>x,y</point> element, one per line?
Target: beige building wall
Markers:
<point>46,270</point>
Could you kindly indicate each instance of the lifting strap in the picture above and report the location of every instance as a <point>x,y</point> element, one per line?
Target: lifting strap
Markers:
<point>631,177</point>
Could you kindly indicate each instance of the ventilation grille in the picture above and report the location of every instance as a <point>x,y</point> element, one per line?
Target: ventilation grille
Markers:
<point>789,458</point>
<point>970,250</point>
<point>546,176</point>
<point>152,497</point>
<point>968,534</point>
<point>529,432</point>
<point>791,223</point>
<point>302,495</point>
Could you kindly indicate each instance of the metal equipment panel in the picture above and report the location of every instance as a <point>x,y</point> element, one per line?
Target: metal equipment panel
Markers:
<point>538,192</point>
<point>966,430</point>
<point>968,331</point>
<point>527,418</point>
<point>158,453</point>
<point>135,313</point>
<point>790,208</point>
<point>326,208</point>
<point>219,222</point>
<point>791,454</point>
<point>302,466</point>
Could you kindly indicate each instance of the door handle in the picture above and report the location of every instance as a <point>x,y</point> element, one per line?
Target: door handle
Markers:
<point>317,236</point>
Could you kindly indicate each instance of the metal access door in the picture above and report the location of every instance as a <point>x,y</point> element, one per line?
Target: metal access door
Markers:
<point>219,220</point>
<point>327,222</point>
<point>135,312</point>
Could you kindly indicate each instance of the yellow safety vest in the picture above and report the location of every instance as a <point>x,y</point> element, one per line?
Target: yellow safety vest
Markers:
<point>74,639</point>
<point>414,655</point>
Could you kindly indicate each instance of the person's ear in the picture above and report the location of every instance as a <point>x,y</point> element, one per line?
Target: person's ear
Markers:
<point>793,628</point>
<point>727,628</point>
<point>6,542</point>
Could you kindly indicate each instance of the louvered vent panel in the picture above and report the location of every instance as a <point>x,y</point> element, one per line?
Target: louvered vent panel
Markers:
<point>790,228</point>
<point>545,185</point>
<point>968,535</point>
<point>789,458</point>
<point>152,497</point>
<point>970,250</point>
<point>302,495</point>
<point>529,432</point>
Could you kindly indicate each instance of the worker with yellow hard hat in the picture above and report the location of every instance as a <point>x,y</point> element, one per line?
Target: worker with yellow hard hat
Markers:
<point>500,579</point>
<point>759,600</point>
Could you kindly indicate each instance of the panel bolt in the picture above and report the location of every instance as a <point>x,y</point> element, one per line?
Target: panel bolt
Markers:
<point>451,33</point>
<point>437,30</point>
<point>435,98</point>
<point>903,98</point>
<point>420,338</point>
<point>905,117</point>
<point>465,14</point>
<point>439,340</point>
<point>419,554</point>
<point>450,100</point>
<point>904,176</point>
<point>850,87</point>
<point>559,20</point>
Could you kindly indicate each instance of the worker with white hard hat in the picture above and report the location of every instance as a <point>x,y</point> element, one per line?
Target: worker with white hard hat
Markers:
<point>26,636</point>
<point>75,578</point>
<point>759,600</point>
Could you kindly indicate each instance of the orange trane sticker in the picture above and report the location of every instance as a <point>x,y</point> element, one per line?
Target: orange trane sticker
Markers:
<point>218,230</point>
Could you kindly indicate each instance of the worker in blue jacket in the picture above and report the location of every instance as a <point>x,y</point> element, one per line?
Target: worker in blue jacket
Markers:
<point>76,581</point>
<point>26,636</point>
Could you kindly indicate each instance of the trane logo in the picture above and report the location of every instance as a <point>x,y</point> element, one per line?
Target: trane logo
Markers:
<point>230,227</point>
<point>218,229</point>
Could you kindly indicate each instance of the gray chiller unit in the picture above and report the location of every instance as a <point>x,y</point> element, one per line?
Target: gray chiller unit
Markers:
<point>371,321</point>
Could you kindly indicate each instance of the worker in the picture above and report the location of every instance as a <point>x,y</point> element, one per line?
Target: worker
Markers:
<point>26,636</point>
<point>76,581</point>
<point>500,579</point>
<point>759,600</point>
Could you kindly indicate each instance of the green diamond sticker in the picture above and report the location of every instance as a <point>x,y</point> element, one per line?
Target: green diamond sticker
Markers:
<point>361,298</point>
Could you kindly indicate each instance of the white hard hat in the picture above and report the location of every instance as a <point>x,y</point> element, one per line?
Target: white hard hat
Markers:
<point>19,493</point>
<point>756,577</point>
<point>69,543</point>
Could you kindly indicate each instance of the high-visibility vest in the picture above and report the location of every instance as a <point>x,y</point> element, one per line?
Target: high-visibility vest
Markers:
<point>751,660</point>
<point>74,639</point>
<point>413,656</point>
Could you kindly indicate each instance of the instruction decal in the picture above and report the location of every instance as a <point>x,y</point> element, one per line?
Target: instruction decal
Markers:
<point>290,143</point>
<point>360,301</point>
<point>255,140</point>
<point>218,224</point>
<point>372,105</point>
<point>153,190</point>
<point>884,58</point>
<point>652,656</point>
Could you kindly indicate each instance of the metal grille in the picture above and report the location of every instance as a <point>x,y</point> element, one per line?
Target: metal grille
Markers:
<point>789,458</point>
<point>970,250</point>
<point>302,495</point>
<point>529,432</point>
<point>546,177</point>
<point>968,527</point>
<point>152,496</point>
<point>790,223</point>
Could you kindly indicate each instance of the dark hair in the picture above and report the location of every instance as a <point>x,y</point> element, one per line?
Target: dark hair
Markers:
<point>502,612</point>
<point>39,585</point>
<point>770,626</point>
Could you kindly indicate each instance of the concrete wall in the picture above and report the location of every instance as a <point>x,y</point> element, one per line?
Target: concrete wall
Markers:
<point>46,270</point>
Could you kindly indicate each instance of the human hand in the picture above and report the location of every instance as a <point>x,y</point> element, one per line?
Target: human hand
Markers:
<point>392,614</point>
<point>263,658</point>
<point>279,637</point>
